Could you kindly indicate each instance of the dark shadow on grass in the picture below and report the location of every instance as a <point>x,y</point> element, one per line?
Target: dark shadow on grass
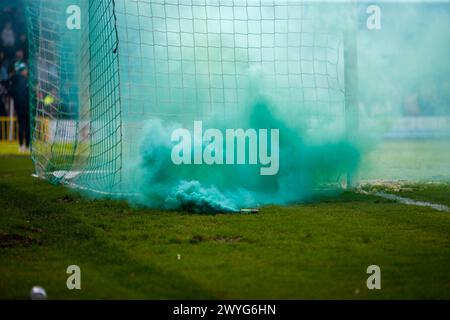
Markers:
<point>79,241</point>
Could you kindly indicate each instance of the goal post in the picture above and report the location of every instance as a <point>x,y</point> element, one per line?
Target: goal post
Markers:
<point>351,82</point>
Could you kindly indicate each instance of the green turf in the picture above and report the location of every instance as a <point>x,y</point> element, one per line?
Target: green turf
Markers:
<point>436,193</point>
<point>415,160</point>
<point>7,148</point>
<point>313,251</point>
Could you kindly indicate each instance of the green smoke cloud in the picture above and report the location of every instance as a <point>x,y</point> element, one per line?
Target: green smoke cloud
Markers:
<point>278,67</point>
<point>307,162</point>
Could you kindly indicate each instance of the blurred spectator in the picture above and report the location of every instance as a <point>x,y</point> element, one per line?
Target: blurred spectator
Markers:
<point>20,93</point>
<point>3,111</point>
<point>8,36</point>
<point>19,60</point>
<point>8,40</point>
<point>3,67</point>
<point>22,45</point>
<point>3,83</point>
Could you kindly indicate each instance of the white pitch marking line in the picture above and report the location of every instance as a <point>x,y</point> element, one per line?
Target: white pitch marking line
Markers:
<point>408,201</point>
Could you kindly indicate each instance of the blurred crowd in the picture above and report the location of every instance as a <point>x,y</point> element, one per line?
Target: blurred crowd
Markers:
<point>14,70</point>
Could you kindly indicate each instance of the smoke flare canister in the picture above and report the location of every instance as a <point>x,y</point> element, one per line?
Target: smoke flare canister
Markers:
<point>250,211</point>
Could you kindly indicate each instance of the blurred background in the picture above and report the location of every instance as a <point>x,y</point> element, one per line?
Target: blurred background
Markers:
<point>14,79</point>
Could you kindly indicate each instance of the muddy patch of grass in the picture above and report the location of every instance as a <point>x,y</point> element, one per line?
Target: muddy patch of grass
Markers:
<point>218,238</point>
<point>10,240</point>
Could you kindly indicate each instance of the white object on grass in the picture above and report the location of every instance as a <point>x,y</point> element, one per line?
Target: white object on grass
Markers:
<point>250,210</point>
<point>38,293</point>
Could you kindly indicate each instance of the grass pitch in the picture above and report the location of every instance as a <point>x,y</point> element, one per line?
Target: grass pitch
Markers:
<point>9,149</point>
<point>311,251</point>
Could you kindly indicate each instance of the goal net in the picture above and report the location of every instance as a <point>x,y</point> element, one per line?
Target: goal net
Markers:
<point>103,70</point>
